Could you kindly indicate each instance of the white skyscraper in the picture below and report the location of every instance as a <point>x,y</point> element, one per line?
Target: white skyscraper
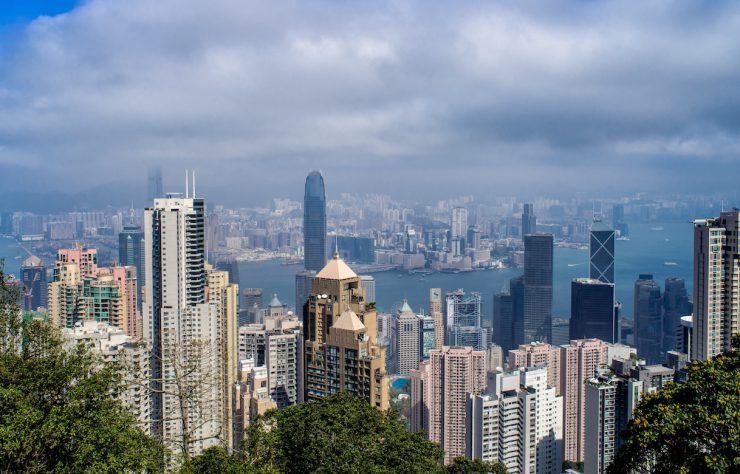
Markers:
<point>406,340</point>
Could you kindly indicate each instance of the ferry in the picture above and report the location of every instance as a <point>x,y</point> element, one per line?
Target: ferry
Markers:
<point>670,264</point>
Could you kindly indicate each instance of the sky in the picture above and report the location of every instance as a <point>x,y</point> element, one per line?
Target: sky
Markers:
<point>410,98</point>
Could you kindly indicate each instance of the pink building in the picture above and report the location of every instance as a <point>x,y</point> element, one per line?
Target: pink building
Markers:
<point>85,259</point>
<point>439,394</point>
<point>538,354</point>
<point>578,363</point>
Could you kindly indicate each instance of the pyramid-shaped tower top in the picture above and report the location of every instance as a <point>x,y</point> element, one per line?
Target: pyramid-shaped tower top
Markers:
<point>336,269</point>
<point>405,308</point>
<point>348,320</point>
<point>275,302</point>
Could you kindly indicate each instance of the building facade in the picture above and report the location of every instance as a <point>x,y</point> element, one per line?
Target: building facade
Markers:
<point>538,271</point>
<point>314,222</point>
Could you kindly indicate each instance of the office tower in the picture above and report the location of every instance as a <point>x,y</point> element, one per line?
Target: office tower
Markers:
<point>618,221</point>
<point>353,248</point>
<point>368,284</point>
<point>601,252</point>
<point>341,344</point>
<point>560,331</point>
<point>251,297</point>
<point>503,321</point>
<point>684,334</point>
<point>648,319</point>
<point>473,237</point>
<point>251,395</point>
<point>578,362</point>
<point>231,266</point>
<point>277,344</point>
<point>314,222</point>
<point>427,336</point>
<point>131,253</point>
<point>183,327</point>
<point>82,291</point>
<point>538,264</point>
<point>529,220</point>
<point>676,305</point>
<point>459,225</point>
<point>116,347</point>
<point>406,340</point>
<point>463,320</point>
<point>538,354</point>
<point>154,184</point>
<point>592,312</point>
<point>35,286</point>
<point>516,289</point>
<point>716,310</point>
<point>439,393</point>
<point>435,311</point>
<point>517,421</point>
<point>411,240</point>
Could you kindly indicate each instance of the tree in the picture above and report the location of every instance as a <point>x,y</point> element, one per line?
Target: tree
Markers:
<point>58,408</point>
<point>474,466</point>
<point>338,434</point>
<point>692,427</point>
<point>216,460</point>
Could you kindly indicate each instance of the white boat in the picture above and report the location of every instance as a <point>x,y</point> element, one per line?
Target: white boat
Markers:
<point>670,264</point>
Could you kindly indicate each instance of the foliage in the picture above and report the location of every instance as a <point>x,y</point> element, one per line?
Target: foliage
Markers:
<point>474,466</point>
<point>338,434</point>
<point>692,427</point>
<point>57,412</point>
<point>216,460</point>
<point>577,465</point>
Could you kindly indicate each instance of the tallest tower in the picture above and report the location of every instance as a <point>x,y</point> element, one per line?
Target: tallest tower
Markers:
<point>314,222</point>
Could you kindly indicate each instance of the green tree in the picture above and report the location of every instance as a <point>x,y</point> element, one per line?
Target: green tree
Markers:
<point>474,466</point>
<point>216,460</point>
<point>58,411</point>
<point>338,434</point>
<point>692,427</point>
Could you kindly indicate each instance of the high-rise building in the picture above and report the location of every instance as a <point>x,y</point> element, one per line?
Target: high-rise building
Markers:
<point>184,328</point>
<point>154,184</point>
<point>341,343</point>
<point>516,289</point>
<point>368,284</point>
<point>459,225</point>
<point>435,311</point>
<point>35,286</point>
<point>560,331</point>
<point>648,319</point>
<point>439,393</point>
<point>303,285</point>
<point>716,307</point>
<point>618,221</point>
<point>578,362</point>
<point>463,320</point>
<point>538,270</point>
<point>676,304</point>
<point>529,220</point>
<point>407,350</point>
<point>601,252</point>
<point>538,354</point>
<point>518,421</point>
<point>314,222</point>
<point>131,253</point>
<point>427,336</point>
<point>251,395</point>
<point>503,321</point>
<point>592,312</point>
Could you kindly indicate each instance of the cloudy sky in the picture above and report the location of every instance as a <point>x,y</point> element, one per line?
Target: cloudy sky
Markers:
<point>403,97</point>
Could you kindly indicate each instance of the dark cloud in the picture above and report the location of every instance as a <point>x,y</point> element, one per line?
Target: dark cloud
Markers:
<point>487,96</point>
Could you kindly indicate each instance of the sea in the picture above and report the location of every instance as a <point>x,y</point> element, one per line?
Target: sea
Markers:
<point>650,247</point>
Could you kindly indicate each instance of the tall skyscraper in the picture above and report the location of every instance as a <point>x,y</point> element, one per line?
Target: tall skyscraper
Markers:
<point>592,312</point>
<point>648,319</point>
<point>368,284</point>
<point>131,252</point>
<point>183,328</point>
<point>529,220</point>
<point>341,343</point>
<point>154,184</point>
<point>618,221</point>
<point>463,320</point>
<point>406,340</point>
<point>458,230</point>
<point>578,362</point>
<point>516,289</point>
<point>517,421</point>
<point>435,311</point>
<point>439,393</point>
<point>303,285</point>
<point>601,252</point>
<point>427,336</point>
<point>716,284</point>
<point>676,305</point>
<point>35,285</point>
<point>503,321</point>
<point>314,222</point>
<point>538,265</point>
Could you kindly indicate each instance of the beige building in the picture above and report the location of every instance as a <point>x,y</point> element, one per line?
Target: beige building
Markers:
<point>341,340</point>
<point>435,311</point>
<point>578,363</point>
<point>407,340</point>
<point>439,395</point>
<point>538,354</point>
<point>251,398</point>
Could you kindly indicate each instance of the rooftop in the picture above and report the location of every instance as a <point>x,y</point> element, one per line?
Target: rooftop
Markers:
<point>336,269</point>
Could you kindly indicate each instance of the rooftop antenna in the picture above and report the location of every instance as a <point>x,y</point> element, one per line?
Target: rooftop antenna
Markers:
<point>187,186</point>
<point>193,184</point>
<point>336,246</point>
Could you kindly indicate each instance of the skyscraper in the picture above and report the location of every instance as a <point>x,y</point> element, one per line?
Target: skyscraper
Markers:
<point>154,184</point>
<point>435,311</point>
<point>131,252</point>
<point>458,229</point>
<point>648,319</point>
<point>341,343</point>
<point>314,222</point>
<point>601,252</point>
<point>529,220</point>
<point>592,312</point>
<point>716,284</point>
<point>303,285</point>
<point>503,321</point>
<point>516,288</point>
<point>538,265</point>
<point>33,277</point>
<point>183,328</point>
<point>439,393</point>
<point>463,320</point>
<point>676,305</point>
<point>618,221</point>
<point>407,340</point>
<point>538,354</point>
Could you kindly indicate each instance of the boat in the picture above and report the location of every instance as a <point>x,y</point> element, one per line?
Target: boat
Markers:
<point>670,264</point>
<point>659,227</point>
<point>623,238</point>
